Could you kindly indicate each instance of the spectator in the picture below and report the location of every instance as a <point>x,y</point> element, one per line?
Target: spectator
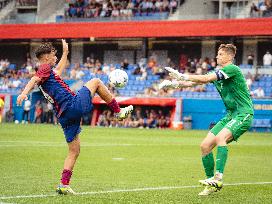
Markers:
<point>250,59</point>
<point>267,59</point>
<point>50,113</point>
<point>165,5</point>
<point>9,117</point>
<point>38,112</point>
<point>4,64</point>
<point>173,6</point>
<point>27,107</point>
<point>212,65</point>
<point>254,11</point>
<point>106,69</point>
<point>151,120</point>
<point>102,119</point>
<point>258,93</point>
<point>137,118</point>
<point>170,63</point>
<point>77,72</point>
<point>249,80</point>
<point>137,71</point>
<point>143,76</point>
<point>45,111</point>
<point>158,6</point>
<point>124,64</point>
<point>16,82</point>
<point>4,84</point>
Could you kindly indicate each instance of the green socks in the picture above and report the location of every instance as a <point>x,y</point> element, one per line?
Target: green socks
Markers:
<point>221,158</point>
<point>208,163</point>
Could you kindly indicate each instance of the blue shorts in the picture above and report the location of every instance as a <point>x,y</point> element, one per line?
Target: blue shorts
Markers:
<point>70,119</point>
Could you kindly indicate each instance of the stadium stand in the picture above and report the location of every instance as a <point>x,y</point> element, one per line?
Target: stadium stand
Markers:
<point>143,57</point>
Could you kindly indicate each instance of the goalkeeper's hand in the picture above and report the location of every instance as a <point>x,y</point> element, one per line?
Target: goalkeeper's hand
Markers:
<point>176,75</point>
<point>167,84</point>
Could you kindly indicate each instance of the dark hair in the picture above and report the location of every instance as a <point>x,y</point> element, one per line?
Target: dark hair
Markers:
<point>230,48</point>
<point>44,48</point>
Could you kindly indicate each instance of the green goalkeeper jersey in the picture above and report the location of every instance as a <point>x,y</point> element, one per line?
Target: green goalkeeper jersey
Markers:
<point>231,85</point>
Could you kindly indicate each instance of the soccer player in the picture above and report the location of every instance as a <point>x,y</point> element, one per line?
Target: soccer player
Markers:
<point>231,85</point>
<point>69,107</point>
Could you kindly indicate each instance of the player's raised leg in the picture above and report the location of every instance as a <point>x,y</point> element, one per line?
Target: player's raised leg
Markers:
<point>97,86</point>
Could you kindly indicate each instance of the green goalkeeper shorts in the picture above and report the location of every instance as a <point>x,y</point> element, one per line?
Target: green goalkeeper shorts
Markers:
<point>237,124</point>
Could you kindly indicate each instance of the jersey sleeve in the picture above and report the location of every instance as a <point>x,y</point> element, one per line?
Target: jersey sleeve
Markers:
<point>226,72</point>
<point>43,72</point>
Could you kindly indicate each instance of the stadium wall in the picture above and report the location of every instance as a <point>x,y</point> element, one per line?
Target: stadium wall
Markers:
<point>207,111</point>
<point>188,28</point>
<point>203,111</point>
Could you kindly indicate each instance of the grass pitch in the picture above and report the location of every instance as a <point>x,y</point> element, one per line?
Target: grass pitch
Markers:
<point>128,166</point>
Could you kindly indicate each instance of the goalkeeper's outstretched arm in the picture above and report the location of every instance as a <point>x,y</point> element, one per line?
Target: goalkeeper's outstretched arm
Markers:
<point>202,79</point>
<point>185,84</point>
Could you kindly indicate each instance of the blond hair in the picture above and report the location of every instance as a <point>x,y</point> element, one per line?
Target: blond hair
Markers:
<point>229,48</point>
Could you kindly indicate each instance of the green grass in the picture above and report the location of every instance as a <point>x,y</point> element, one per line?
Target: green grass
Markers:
<point>31,160</point>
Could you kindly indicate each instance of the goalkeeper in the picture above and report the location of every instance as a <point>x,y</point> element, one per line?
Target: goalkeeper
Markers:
<point>231,85</point>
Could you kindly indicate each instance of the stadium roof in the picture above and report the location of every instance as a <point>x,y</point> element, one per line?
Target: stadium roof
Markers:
<point>191,28</point>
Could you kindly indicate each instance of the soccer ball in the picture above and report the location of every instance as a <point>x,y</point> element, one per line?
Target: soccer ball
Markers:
<point>118,78</point>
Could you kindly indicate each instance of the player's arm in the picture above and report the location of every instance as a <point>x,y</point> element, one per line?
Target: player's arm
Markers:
<point>199,79</point>
<point>167,84</point>
<point>30,85</point>
<point>203,79</point>
<point>185,84</point>
<point>62,63</point>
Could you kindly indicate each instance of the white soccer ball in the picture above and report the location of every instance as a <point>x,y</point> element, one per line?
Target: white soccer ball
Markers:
<point>118,78</point>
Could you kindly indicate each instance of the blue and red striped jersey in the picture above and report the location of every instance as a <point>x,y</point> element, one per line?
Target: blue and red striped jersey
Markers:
<point>54,89</point>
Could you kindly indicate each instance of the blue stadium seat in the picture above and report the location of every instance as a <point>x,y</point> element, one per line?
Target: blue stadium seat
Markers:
<point>202,95</point>
<point>261,125</point>
<point>134,88</point>
<point>132,77</point>
<point>266,122</point>
<point>189,95</point>
<point>142,83</point>
<point>130,67</point>
<point>261,83</point>
<point>12,66</point>
<point>209,95</point>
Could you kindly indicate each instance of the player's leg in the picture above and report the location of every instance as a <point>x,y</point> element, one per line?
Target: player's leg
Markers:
<point>97,86</point>
<point>223,137</point>
<point>216,182</point>
<point>207,146</point>
<point>207,155</point>
<point>73,153</point>
<point>232,131</point>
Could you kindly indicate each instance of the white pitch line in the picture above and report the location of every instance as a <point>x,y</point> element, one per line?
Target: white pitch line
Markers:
<point>130,190</point>
<point>82,145</point>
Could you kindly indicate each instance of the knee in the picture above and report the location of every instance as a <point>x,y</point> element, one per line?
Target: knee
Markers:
<point>220,141</point>
<point>205,148</point>
<point>95,81</point>
<point>75,152</point>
